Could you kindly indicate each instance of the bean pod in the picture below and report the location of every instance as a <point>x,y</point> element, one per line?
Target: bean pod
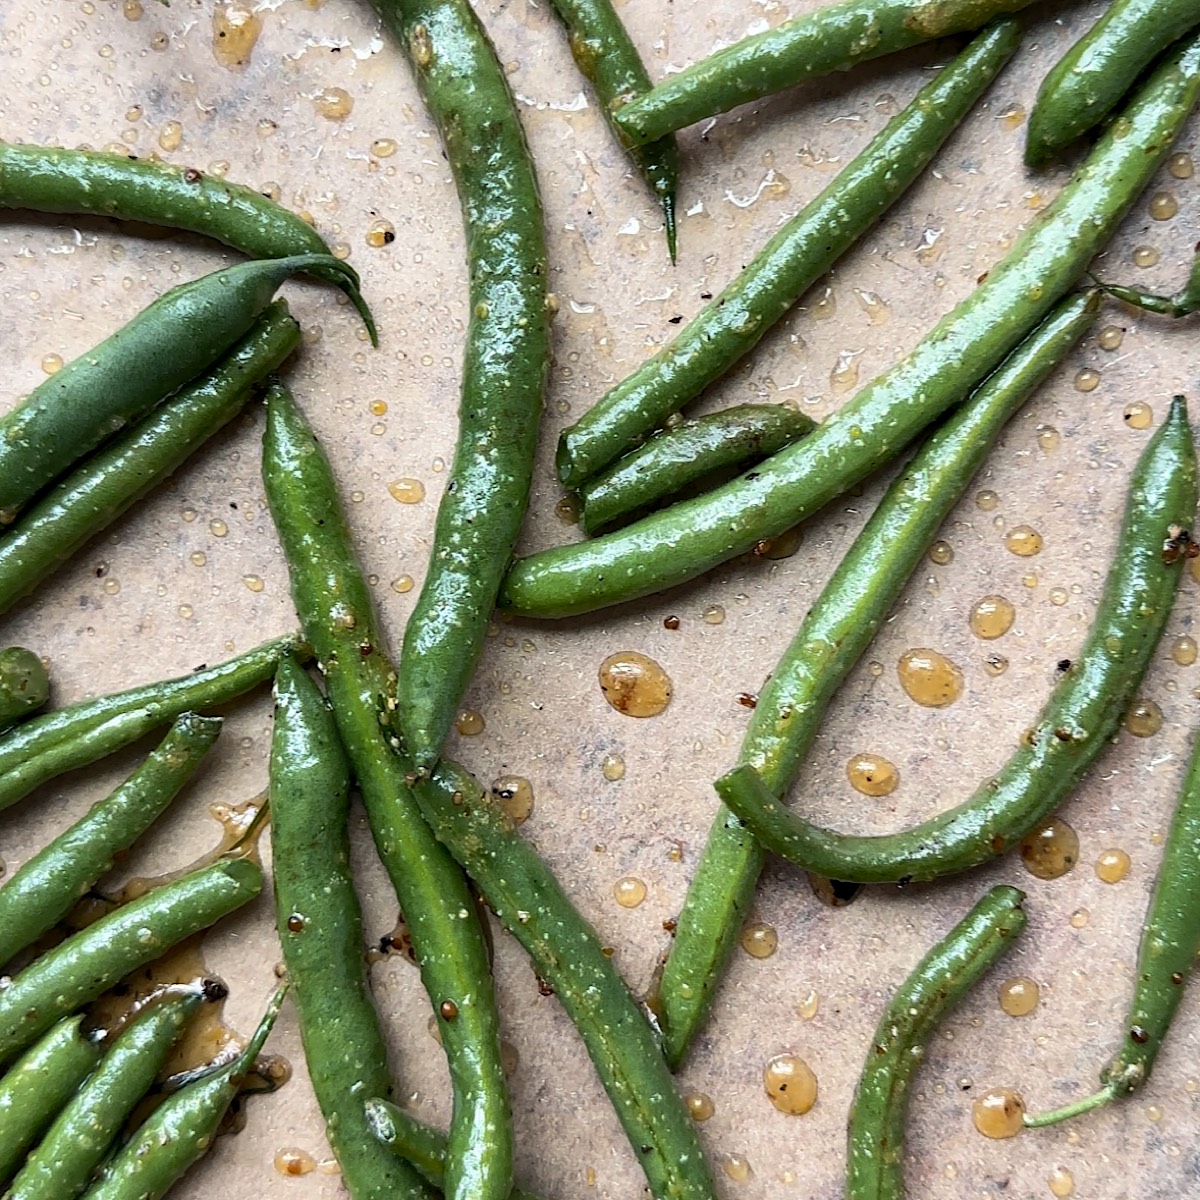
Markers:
<point>24,685</point>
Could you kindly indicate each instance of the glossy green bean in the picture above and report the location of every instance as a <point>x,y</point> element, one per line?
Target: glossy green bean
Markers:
<point>38,1085</point>
<point>875,1132</point>
<point>1082,713</point>
<point>962,349</point>
<point>729,327</point>
<point>61,740</point>
<point>671,460</point>
<point>338,618</point>
<point>832,38</point>
<point>1091,79</point>
<point>91,961</point>
<point>320,928</point>
<point>111,481</point>
<point>61,1166</point>
<point>831,639</point>
<point>44,890</point>
<point>52,179</point>
<point>506,360</point>
<point>606,56</point>
<point>24,684</point>
<point>181,1128</point>
<point>530,903</point>
<point>1182,304</point>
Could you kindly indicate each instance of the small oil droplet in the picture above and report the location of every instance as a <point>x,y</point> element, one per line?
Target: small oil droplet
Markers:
<point>844,376</point>
<point>699,1105</point>
<point>1138,415</point>
<point>1079,918</point>
<point>383,148</point>
<point>402,584</point>
<point>790,1084</point>
<point>1048,438</point>
<point>825,305</point>
<point>872,775</point>
<point>783,546</point>
<point>1113,865</point>
<point>198,558</point>
<point>760,940</point>
<point>1181,166</point>
<point>1051,850</point>
<point>1023,541</point>
<point>1184,650</point>
<point>941,553</point>
<point>986,500</point>
<point>629,892</point>
<point>1019,996</point>
<point>930,678</point>
<point>1145,256</point>
<point>407,491</point>
<point>1163,206</point>
<point>333,103</point>
<point>992,617</point>
<point>1012,118</point>
<point>809,1006</point>
<point>469,723</point>
<point>1061,1183</point>
<point>291,1161</point>
<point>380,234</point>
<point>613,767</point>
<point>995,664</point>
<point>737,1167</point>
<point>877,311</point>
<point>1110,337</point>
<point>999,1113</point>
<point>515,794</point>
<point>1144,718</point>
<point>567,510</point>
<point>1058,596</point>
<point>170,136</point>
<point>253,582</point>
<point>52,364</point>
<point>634,684</point>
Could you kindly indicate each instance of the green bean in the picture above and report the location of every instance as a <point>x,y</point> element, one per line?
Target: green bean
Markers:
<point>730,326</point>
<point>875,1134</point>
<point>180,1129</point>
<point>1182,304</point>
<point>320,928</point>
<point>832,637</point>
<point>91,961</point>
<point>833,38</point>
<point>338,618</point>
<point>62,1165</point>
<point>530,903</point>
<point>44,890</point>
<point>37,1086</point>
<point>51,179</point>
<point>1082,713</point>
<point>606,56</point>
<point>1088,82</point>
<point>505,363</point>
<point>59,741</point>
<point>24,684</point>
<point>671,460</point>
<point>109,483</point>
<point>682,542</point>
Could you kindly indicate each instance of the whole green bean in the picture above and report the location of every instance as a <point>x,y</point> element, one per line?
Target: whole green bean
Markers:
<point>833,38</point>
<point>111,481</point>
<point>832,637</point>
<point>729,327</point>
<point>59,741</point>
<point>181,1128</point>
<point>44,890</point>
<point>91,961</point>
<point>24,684</point>
<point>875,1133</point>
<point>530,903</point>
<point>51,179</point>
<point>1047,260</point>
<point>1083,711</point>
<point>338,618</point>
<point>38,1085</point>
<point>1089,81</point>
<point>606,56</point>
<point>505,362</point>
<point>671,460</point>
<point>320,928</point>
<point>63,1163</point>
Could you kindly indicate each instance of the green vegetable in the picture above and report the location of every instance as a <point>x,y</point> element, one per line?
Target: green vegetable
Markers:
<point>1182,304</point>
<point>24,684</point>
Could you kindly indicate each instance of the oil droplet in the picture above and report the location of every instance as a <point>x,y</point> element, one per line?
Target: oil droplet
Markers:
<point>992,617</point>
<point>871,303</point>
<point>1163,206</point>
<point>1023,540</point>
<point>218,528</point>
<point>629,892</point>
<point>407,491</point>
<point>515,794</point>
<point>1145,256</point>
<point>567,510</point>
<point>402,584</point>
<point>1110,337</point>
<point>1184,650</point>
<point>185,611</point>
<point>253,582</point>
<point>236,29</point>
<point>995,664</point>
<point>825,305</point>
<point>469,723</point>
<point>1079,918</point>
<point>736,1166</point>
<point>833,893</point>
<point>613,767</point>
<point>1194,569</point>
<point>1144,718</point>
<point>872,774</point>
<point>383,148</point>
<point>999,1113</point>
<point>170,136</point>
<point>133,10</point>
<point>1181,166</point>
<point>930,678</point>
<point>52,364</point>
<point>1019,996</point>
<point>1062,1183</point>
<point>112,586</point>
<point>1012,118</point>
<point>809,1005</point>
<point>510,1057</point>
<point>714,614</point>
<point>198,558</point>
<point>1138,415</point>
<point>783,546</point>
<point>699,1105</point>
<point>1058,596</point>
<point>380,234</point>
<point>844,375</point>
<point>790,1083</point>
<point>291,1161</point>
<point>1050,850</point>
<point>635,684</point>
<point>941,553</point>
<point>987,500</point>
<point>334,103</point>
<point>1048,438</point>
<point>1112,866</point>
<point>760,940</point>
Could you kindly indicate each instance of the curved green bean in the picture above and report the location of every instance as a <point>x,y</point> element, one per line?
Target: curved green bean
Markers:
<point>1182,304</point>
<point>24,684</point>
<point>1083,711</point>
<point>338,618</point>
<point>320,928</point>
<point>63,1163</point>
<point>832,637</point>
<point>1088,82</point>
<point>1047,260</point>
<point>111,481</point>
<point>44,890</point>
<point>530,903</point>
<point>49,745</point>
<point>729,327</point>
<point>671,460</point>
<point>875,1133</point>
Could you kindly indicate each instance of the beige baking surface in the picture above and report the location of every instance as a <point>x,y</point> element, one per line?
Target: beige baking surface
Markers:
<point>136,606</point>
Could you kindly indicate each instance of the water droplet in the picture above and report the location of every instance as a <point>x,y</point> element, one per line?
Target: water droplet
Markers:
<point>1058,596</point>
<point>170,136</point>
<point>736,1166</point>
<point>402,584</point>
<point>253,582</point>
<point>824,306</point>
<point>52,364</point>
<point>1048,438</point>
<point>844,376</point>
<point>930,678</point>
<point>383,148</point>
<point>218,528</point>
<point>1079,918</point>
<point>877,311</point>
<point>1013,118</point>
<point>995,664</point>
<point>809,1005</point>
<point>567,509</point>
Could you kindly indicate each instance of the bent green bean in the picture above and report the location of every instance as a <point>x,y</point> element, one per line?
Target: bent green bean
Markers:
<point>963,348</point>
<point>111,481</point>
<point>1083,711</point>
<point>1182,304</point>
<point>730,326</point>
<point>24,684</point>
<point>831,639</point>
<point>875,1133</point>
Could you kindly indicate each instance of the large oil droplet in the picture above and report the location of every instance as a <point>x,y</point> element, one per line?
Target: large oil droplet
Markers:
<point>790,1083</point>
<point>1019,996</point>
<point>1145,256</point>
<point>629,892</point>
<point>929,678</point>
<point>941,553</point>
<point>1023,540</point>
<point>1110,337</point>
<point>334,103</point>
<point>515,794</point>
<point>699,1105</point>
<point>52,364</point>
<point>469,723</point>
<point>1181,166</point>
<point>291,1161</point>
<point>236,28</point>
<point>760,940</point>
<point>999,1113</point>
<point>872,774</point>
<point>1184,650</point>
<point>1050,850</point>
<point>1138,415</point>
<point>992,617</point>
<point>1113,865</point>
<point>407,491</point>
<point>1144,718</point>
<point>1061,1183</point>
<point>634,684</point>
